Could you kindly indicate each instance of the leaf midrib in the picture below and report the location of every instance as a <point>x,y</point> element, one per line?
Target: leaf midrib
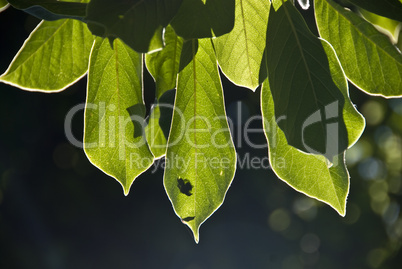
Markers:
<point>246,41</point>
<point>301,51</point>
<point>195,127</point>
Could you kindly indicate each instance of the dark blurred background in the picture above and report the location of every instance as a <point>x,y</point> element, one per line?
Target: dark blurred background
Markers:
<point>59,211</point>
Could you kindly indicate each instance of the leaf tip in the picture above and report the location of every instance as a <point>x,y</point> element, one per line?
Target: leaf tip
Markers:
<point>342,212</point>
<point>126,190</point>
<point>194,229</point>
<point>196,237</point>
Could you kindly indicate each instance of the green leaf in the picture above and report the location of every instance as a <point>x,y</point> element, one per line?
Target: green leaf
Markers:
<point>138,23</point>
<point>200,158</point>
<point>53,57</point>
<point>307,173</point>
<point>3,5</point>
<point>204,18</point>
<point>51,10</point>
<point>114,113</point>
<point>240,52</point>
<point>163,66</point>
<point>302,86</point>
<point>387,8</point>
<point>368,57</point>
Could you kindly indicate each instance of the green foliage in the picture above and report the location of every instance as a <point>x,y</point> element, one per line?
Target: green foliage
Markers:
<point>308,118</point>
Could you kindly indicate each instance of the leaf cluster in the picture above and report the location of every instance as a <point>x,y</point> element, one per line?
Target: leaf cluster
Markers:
<point>307,115</point>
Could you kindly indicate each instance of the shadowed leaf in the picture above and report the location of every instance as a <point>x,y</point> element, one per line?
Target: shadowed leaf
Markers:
<point>138,23</point>
<point>302,87</point>
<point>387,8</point>
<point>52,9</point>
<point>204,18</point>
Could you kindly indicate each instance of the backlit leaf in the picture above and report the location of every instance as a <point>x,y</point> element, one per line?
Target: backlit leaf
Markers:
<point>200,158</point>
<point>53,57</point>
<point>114,113</point>
<point>368,57</point>
<point>240,52</point>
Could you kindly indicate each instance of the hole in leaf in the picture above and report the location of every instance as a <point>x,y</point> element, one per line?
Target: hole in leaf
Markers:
<point>185,186</point>
<point>187,219</point>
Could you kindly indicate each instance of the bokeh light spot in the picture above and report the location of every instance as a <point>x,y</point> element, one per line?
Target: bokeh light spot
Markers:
<point>374,112</point>
<point>376,257</point>
<point>379,190</point>
<point>396,105</point>
<point>279,220</point>
<point>362,149</point>
<point>291,262</point>
<point>310,243</point>
<point>391,214</point>
<point>371,168</point>
<point>305,208</point>
<point>395,184</point>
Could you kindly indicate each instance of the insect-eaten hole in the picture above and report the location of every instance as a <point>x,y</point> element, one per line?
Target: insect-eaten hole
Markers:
<point>185,186</point>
